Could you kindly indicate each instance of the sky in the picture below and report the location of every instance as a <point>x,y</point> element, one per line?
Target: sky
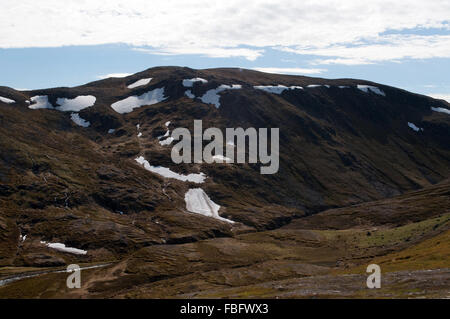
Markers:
<point>50,43</point>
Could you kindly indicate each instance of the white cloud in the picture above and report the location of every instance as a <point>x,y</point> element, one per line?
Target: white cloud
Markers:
<point>384,48</point>
<point>220,29</point>
<point>113,75</point>
<point>441,96</point>
<point>249,54</point>
<point>289,70</point>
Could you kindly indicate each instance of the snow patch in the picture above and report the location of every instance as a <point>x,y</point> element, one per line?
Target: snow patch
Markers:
<point>167,141</point>
<point>6,100</point>
<point>197,201</point>
<point>414,127</point>
<point>111,130</point>
<point>140,82</point>
<point>75,105</point>
<point>221,159</point>
<point>40,102</point>
<point>212,96</point>
<point>278,89</point>
<point>189,94</point>
<point>63,248</point>
<point>168,173</point>
<point>440,109</point>
<point>188,83</point>
<point>127,105</point>
<point>63,104</point>
<point>79,121</point>
<point>370,88</point>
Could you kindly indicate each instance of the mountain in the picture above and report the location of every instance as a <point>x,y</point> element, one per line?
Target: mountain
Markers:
<point>90,168</point>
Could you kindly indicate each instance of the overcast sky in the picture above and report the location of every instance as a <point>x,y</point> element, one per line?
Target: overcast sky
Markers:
<point>64,43</point>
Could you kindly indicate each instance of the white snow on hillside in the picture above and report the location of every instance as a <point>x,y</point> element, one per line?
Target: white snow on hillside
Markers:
<point>370,88</point>
<point>343,87</point>
<point>167,141</point>
<point>440,109</point>
<point>79,121</point>
<point>6,100</point>
<point>127,105</point>
<point>198,202</point>
<point>63,248</point>
<point>212,96</point>
<point>168,173</point>
<point>40,102</point>
<point>140,82</point>
<point>63,104</point>
<point>188,83</point>
<point>414,127</point>
<point>165,134</point>
<point>189,94</point>
<point>276,89</point>
<point>75,105</point>
<point>221,159</point>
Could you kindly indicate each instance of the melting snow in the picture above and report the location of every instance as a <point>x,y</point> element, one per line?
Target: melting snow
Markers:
<point>189,94</point>
<point>78,120</point>
<point>139,134</point>
<point>276,89</point>
<point>127,105</point>
<point>221,159</point>
<point>40,102</point>
<point>167,141</point>
<point>198,202</point>
<point>167,172</point>
<point>139,83</point>
<point>63,248</point>
<point>343,87</point>
<point>111,130</point>
<point>440,109</point>
<point>367,88</point>
<point>414,127</point>
<point>165,134</point>
<point>6,100</point>
<point>77,104</point>
<point>212,96</point>
<point>64,104</point>
<point>190,82</point>
<point>22,238</point>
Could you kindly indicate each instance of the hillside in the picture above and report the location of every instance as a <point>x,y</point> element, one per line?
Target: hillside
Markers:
<point>87,167</point>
